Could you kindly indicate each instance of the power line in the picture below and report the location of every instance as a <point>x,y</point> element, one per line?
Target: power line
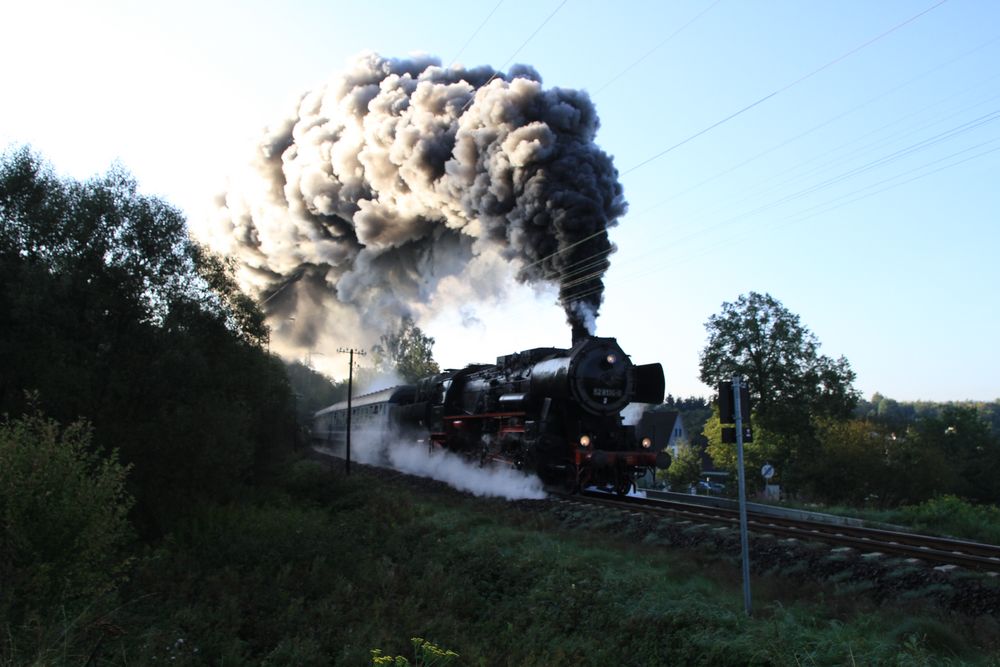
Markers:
<point>652,50</point>
<point>588,263</point>
<point>518,50</point>
<point>784,88</point>
<point>880,161</point>
<point>796,168</point>
<point>825,123</point>
<point>800,174</point>
<point>819,209</point>
<point>451,62</point>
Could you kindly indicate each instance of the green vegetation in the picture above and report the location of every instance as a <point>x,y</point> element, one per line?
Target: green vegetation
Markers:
<point>407,352</point>
<point>948,515</point>
<point>791,384</point>
<point>828,446</point>
<point>425,653</point>
<point>945,515</point>
<point>685,468</point>
<point>64,530</point>
<point>320,569</point>
<point>109,312</point>
<point>313,391</point>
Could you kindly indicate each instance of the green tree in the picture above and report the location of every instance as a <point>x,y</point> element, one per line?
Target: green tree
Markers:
<point>63,516</point>
<point>790,382</point>
<point>407,351</point>
<point>763,449</point>
<point>853,464</point>
<point>969,450</point>
<point>759,339</point>
<point>111,313</point>
<point>313,391</point>
<point>686,466</point>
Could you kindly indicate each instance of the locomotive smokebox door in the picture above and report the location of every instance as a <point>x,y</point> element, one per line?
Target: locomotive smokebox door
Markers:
<point>649,384</point>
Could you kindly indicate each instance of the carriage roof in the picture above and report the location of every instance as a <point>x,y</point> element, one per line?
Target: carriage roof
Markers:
<point>391,395</point>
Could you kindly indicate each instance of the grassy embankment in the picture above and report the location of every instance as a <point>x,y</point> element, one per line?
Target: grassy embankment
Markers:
<point>321,569</point>
<point>945,515</point>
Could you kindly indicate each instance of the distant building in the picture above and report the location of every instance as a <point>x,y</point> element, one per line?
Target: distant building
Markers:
<point>665,427</point>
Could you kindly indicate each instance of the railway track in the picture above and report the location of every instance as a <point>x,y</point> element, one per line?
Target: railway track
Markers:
<point>938,551</point>
<point>935,550</point>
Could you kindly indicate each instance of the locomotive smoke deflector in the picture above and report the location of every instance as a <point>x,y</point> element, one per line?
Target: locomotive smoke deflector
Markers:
<point>649,383</point>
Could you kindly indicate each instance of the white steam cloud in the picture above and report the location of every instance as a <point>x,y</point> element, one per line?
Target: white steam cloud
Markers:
<point>405,455</point>
<point>402,187</point>
<point>458,473</point>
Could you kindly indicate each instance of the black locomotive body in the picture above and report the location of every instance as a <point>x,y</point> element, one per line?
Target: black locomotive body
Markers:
<point>553,411</point>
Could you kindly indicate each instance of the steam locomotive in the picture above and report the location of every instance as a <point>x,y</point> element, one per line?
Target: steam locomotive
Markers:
<point>553,411</point>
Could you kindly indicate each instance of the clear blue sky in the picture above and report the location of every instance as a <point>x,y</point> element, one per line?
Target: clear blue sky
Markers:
<point>863,195</point>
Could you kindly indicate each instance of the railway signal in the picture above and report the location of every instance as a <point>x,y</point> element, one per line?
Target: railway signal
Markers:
<point>734,407</point>
<point>727,412</point>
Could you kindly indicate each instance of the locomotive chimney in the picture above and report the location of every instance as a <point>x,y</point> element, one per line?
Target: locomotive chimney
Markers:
<point>579,333</point>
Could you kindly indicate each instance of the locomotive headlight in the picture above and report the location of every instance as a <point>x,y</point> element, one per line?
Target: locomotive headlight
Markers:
<point>585,441</point>
<point>647,443</point>
<point>611,359</point>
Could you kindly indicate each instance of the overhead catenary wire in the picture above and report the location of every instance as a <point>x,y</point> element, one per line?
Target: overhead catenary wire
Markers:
<point>747,108</point>
<point>872,164</point>
<point>801,174</point>
<point>844,201</point>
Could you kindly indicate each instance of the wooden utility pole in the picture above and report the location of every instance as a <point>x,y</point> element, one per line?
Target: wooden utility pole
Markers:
<point>350,389</point>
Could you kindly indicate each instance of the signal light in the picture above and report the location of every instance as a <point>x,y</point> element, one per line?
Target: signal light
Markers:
<point>727,411</point>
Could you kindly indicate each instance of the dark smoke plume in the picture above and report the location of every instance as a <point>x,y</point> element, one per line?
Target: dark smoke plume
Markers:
<point>403,187</point>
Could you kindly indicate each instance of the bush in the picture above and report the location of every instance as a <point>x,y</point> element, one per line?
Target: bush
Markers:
<point>63,513</point>
<point>950,515</point>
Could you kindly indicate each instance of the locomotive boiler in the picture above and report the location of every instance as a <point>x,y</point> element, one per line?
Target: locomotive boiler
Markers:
<point>553,411</point>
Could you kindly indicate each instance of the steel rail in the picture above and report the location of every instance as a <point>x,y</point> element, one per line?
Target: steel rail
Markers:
<point>941,550</point>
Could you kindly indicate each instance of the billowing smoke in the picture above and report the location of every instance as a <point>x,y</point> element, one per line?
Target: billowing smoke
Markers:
<point>402,187</point>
